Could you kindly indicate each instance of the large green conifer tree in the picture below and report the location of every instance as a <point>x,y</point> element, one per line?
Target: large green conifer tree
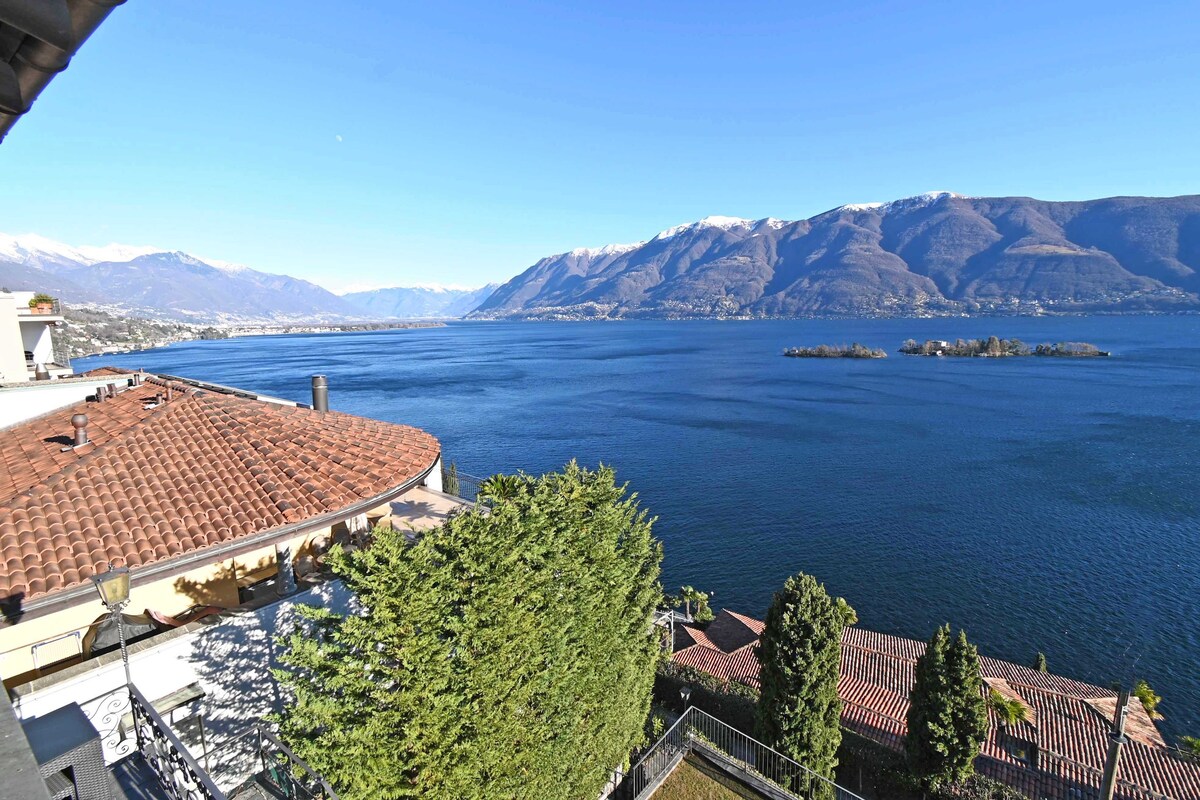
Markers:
<point>507,654</point>
<point>947,715</point>
<point>799,711</point>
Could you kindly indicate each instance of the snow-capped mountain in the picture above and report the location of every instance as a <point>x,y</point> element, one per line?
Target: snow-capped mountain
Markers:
<point>169,284</point>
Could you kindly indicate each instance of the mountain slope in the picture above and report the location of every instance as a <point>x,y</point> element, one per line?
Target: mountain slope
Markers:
<point>418,302</point>
<point>930,254</point>
<point>169,284</point>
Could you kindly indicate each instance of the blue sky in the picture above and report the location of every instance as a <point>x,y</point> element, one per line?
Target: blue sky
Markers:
<point>390,143</point>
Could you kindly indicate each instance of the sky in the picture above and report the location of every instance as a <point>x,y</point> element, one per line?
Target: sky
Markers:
<point>362,144</point>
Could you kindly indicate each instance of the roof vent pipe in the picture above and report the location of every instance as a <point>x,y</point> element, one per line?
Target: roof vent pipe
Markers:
<point>79,422</point>
<point>320,389</point>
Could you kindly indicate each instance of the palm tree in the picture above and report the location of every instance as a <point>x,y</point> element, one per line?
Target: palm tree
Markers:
<point>503,487</point>
<point>1010,712</point>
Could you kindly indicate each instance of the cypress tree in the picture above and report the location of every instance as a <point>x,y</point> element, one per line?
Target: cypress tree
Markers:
<point>1039,663</point>
<point>503,655</point>
<point>799,711</point>
<point>969,707</point>
<point>947,715</point>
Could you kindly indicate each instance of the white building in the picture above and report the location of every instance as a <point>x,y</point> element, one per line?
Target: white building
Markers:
<point>27,339</point>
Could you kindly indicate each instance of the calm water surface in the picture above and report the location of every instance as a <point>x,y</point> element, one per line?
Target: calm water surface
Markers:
<point>1043,504</point>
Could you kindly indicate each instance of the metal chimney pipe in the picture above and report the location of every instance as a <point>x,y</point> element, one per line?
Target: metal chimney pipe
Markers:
<point>320,390</point>
<point>79,422</point>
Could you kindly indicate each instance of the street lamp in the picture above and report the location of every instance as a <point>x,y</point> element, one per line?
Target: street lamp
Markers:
<point>686,694</point>
<point>113,588</point>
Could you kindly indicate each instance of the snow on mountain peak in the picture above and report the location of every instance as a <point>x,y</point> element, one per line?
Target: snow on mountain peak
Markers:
<point>725,223</point>
<point>916,201</point>
<point>115,252</point>
<point>606,250</point>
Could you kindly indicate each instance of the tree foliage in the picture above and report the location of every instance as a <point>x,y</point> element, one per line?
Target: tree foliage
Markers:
<point>947,715</point>
<point>696,605</point>
<point>1010,712</point>
<point>799,711</point>
<point>506,654</point>
<point>1039,662</point>
<point>1150,699</point>
<point>1190,745</point>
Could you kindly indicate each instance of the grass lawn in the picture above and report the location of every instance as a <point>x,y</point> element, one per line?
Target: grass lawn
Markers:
<point>693,779</point>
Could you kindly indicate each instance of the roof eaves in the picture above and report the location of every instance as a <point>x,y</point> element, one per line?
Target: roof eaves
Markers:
<point>185,562</point>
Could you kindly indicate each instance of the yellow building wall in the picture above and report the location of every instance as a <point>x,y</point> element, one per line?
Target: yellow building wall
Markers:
<point>212,584</point>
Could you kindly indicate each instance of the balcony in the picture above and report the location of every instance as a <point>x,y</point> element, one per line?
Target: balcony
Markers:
<point>52,312</point>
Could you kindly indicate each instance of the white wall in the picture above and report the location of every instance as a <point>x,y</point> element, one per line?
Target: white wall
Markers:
<point>231,661</point>
<point>19,403</point>
<point>36,339</point>
<point>12,350</point>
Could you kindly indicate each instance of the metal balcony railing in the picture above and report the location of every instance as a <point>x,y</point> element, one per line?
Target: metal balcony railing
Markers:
<point>460,484</point>
<point>743,758</point>
<point>179,776</point>
<point>257,762</point>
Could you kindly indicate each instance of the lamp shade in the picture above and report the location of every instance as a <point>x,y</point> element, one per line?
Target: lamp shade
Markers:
<point>113,586</point>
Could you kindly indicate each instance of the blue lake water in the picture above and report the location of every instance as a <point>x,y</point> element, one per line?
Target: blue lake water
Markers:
<point>1042,504</point>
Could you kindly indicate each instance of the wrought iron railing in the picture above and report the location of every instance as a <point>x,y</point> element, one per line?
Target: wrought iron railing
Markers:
<point>179,776</point>
<point>107,714</point>
<point>740,756</point>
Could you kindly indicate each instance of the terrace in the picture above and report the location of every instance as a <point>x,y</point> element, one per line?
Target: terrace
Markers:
<point>702,757</point>
<point>199,692</point>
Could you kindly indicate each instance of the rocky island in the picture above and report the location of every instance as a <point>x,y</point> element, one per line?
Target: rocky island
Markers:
<point>995,347</point>
<point>855,350</point>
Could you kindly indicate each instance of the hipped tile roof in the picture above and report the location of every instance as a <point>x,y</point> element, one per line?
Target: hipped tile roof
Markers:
<point>196,470</point>
<point>1069,723</point>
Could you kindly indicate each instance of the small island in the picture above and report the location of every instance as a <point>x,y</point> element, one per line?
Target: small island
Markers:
<point>855,350</point>
<point>994,347</point>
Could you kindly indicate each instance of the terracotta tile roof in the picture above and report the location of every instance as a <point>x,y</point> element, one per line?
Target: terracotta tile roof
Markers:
<point>101,372</point>
<point>729,631</point>
<point>199,469</point>
<point>1068,725</point>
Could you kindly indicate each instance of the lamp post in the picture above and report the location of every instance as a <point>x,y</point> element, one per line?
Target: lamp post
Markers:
<point>686,694</point>
<point>113,588</point>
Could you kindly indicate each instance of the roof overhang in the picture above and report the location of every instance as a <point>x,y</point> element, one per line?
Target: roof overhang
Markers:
<point>37,40</point>
<point>179,565</point>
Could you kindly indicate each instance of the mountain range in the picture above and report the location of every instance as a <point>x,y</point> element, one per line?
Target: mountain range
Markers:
<point>419,302</point>
<point>936,253</point>
<point>145,281</point>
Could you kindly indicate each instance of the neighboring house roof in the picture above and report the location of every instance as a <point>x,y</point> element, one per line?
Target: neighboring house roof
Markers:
<point>1068,722</point>
<point>725,649</point>
<point>198,469</point>
<point>37,40</point>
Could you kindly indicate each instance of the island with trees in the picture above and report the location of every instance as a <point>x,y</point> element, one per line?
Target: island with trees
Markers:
<point>995,347</point>
<point>855,350</point>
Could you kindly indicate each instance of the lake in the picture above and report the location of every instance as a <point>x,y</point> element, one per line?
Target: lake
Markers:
<point>1041,503</point>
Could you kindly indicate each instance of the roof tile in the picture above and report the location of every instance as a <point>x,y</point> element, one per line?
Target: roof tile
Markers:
<point>161,480</point>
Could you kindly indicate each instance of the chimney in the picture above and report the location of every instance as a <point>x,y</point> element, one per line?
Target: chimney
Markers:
<point>40,373</point>
<point>112,390</point>
<point>320,389</point>
<point>79,422</point>
<point>100,392</point>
